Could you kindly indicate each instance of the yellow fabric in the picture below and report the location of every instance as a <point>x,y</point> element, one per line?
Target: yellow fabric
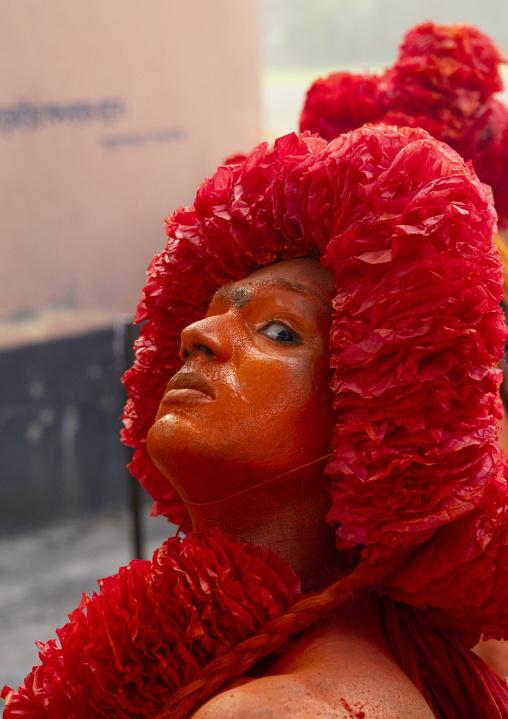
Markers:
<point>503,251</point>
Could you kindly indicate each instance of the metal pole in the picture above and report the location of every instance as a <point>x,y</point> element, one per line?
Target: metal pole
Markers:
<point>124,336</point>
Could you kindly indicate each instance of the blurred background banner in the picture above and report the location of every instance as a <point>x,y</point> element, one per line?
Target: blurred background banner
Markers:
<point>111,113</point>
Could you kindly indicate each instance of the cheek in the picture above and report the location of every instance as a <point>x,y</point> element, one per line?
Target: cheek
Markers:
<point>276,386</point>
<point>291,397</point>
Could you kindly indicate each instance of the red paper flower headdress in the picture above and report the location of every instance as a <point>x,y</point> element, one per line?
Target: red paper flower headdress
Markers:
<point>443,81</point>
<point>416,478</point>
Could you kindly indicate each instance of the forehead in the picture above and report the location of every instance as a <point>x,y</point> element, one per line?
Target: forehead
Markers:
<point>304,276</point>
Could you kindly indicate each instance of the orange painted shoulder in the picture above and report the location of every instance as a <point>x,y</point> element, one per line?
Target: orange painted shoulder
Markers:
<point>342,670</point>
<point>287,697</point>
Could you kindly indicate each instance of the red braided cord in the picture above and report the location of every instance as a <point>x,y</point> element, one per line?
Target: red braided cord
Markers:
<point>242,657</point>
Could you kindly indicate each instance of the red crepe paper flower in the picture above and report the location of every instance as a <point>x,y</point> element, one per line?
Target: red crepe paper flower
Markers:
<point>152,627</point>
<point>342,102</point>
<point>443,81</point>
<point>444,72</point>
<point>486,144</point>
<point>416,473</point>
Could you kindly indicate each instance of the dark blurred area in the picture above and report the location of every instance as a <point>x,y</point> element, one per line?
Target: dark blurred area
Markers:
<point>59,430</point>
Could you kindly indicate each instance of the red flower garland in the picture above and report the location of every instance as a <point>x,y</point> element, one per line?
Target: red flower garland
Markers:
<point>126,650</point>
<point>442,81</point>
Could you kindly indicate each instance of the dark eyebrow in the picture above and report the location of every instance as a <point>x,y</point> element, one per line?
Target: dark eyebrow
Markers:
<point>239,297</point>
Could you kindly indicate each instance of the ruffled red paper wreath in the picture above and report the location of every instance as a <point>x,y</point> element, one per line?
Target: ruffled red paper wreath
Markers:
<point>443,80</point>
<point>406,227</point>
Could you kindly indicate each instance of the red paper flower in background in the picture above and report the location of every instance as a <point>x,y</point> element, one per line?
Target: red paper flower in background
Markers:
<point>486,144</point>
<point>443,72</point>
<point>342,102</point>
<point>443,82</point>
<point>152,627</point>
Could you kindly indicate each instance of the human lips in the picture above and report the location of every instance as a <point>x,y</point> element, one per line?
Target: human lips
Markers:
<point>188,384</point>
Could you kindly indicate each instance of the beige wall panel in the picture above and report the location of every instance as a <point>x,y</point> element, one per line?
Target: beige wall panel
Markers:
<point>111,113</point>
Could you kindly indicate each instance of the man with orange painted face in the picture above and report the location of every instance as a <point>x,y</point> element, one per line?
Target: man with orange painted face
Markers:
<point>254,396</point>
<point>314,400</point>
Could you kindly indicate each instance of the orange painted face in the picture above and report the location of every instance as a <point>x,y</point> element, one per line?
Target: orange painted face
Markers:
<point>252,399</point>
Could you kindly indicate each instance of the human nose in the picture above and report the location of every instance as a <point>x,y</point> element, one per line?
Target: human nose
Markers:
<point>206,337</point>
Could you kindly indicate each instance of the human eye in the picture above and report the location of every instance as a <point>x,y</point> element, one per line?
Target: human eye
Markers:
<point>281,333</point>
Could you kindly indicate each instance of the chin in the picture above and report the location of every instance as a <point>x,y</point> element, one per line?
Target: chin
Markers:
<point>172,440</point>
